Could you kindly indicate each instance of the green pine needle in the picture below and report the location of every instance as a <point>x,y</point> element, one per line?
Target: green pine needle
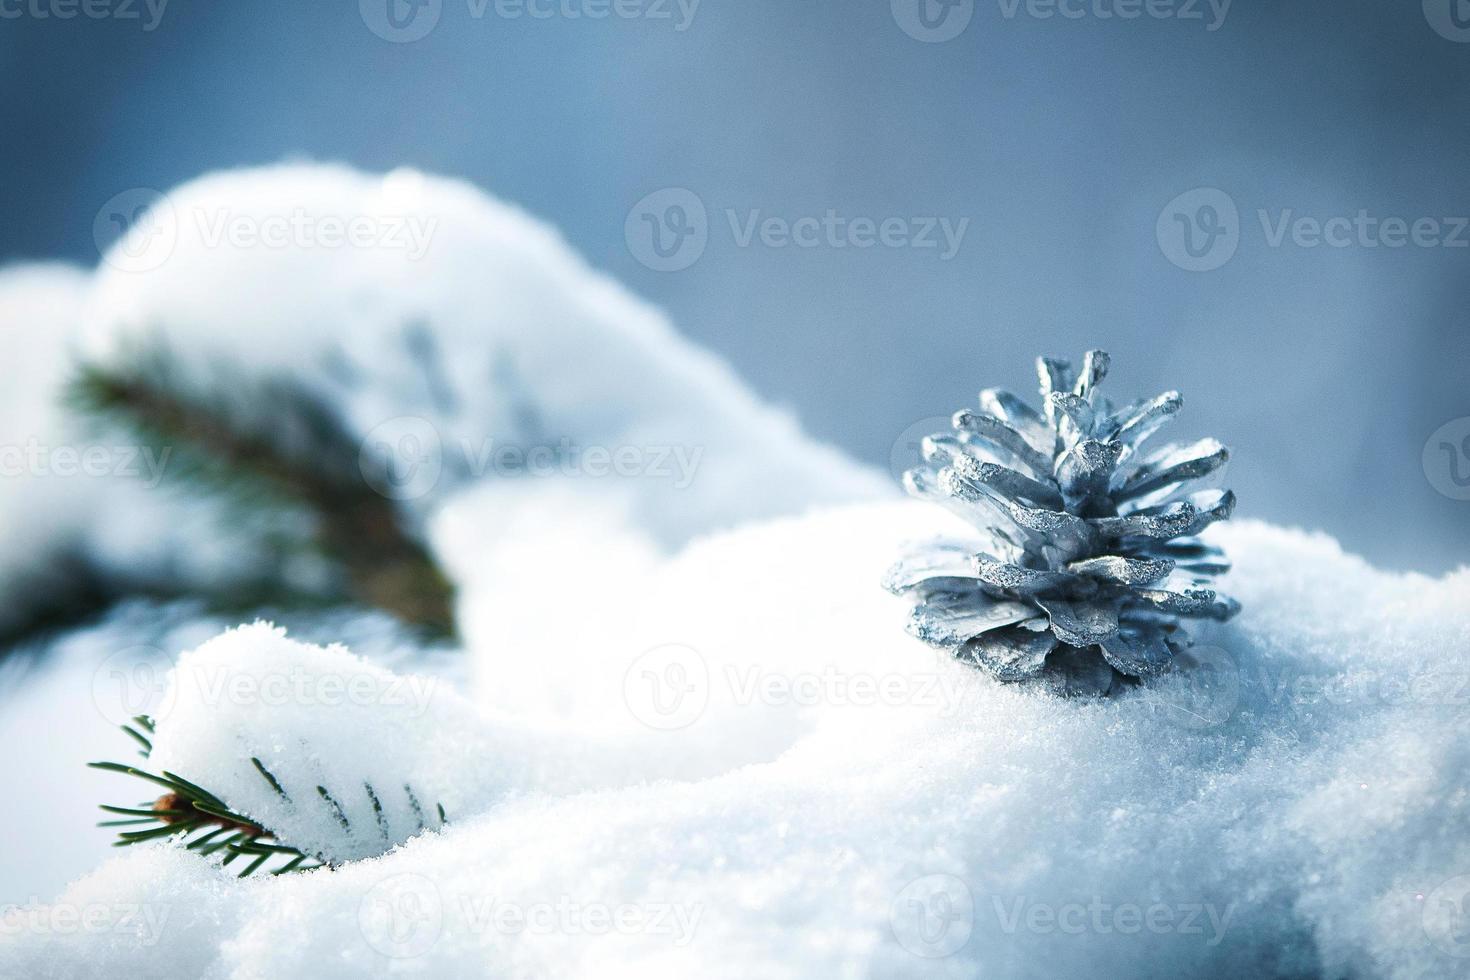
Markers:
<point>209,826</point>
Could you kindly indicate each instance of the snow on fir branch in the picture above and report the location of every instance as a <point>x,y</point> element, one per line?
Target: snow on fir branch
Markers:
<point>209,826</point>
<point>274,452</point>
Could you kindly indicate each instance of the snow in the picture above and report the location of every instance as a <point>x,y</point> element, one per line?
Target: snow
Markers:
<point>831,798</point>
<point>461,339</point>
<point>686,733</point>
<point>39,310</point>
<point>86,510</point>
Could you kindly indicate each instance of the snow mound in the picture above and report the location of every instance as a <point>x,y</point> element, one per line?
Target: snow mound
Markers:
<point>464,344</point>
<point>460,338</point>
<point>1293,805</point>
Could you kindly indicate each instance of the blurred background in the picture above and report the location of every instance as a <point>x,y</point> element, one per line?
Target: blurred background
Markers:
<point>1261,204</point>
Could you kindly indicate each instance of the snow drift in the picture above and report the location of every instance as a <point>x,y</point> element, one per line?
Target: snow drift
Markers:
<point>1293,805</point>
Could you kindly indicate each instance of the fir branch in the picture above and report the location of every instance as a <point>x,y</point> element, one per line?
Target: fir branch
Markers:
<point>206,823</point>
<point>273,447</point>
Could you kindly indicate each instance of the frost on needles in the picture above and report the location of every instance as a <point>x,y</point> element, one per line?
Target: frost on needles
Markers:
<point>1088,553</point>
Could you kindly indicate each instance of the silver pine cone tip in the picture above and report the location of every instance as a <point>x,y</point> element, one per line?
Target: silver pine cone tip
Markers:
<point>1088,555</point>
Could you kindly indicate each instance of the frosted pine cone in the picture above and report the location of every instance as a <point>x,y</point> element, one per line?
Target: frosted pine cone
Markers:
<point>1088,556</point>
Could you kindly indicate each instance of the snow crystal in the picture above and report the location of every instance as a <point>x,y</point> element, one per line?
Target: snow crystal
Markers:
<point>791,786</point>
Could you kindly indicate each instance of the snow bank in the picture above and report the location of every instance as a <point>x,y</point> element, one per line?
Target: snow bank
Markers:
<point>463,342</point>
<point>1293,806</point>
<point>461,338</point>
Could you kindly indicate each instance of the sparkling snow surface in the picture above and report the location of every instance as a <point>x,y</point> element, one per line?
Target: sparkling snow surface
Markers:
<point>744,767</point>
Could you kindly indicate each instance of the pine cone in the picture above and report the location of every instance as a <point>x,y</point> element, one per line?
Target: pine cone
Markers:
<point>1088,556</point>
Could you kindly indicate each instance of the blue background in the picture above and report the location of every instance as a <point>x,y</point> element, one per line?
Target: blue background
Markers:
<point>1062,140</point>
